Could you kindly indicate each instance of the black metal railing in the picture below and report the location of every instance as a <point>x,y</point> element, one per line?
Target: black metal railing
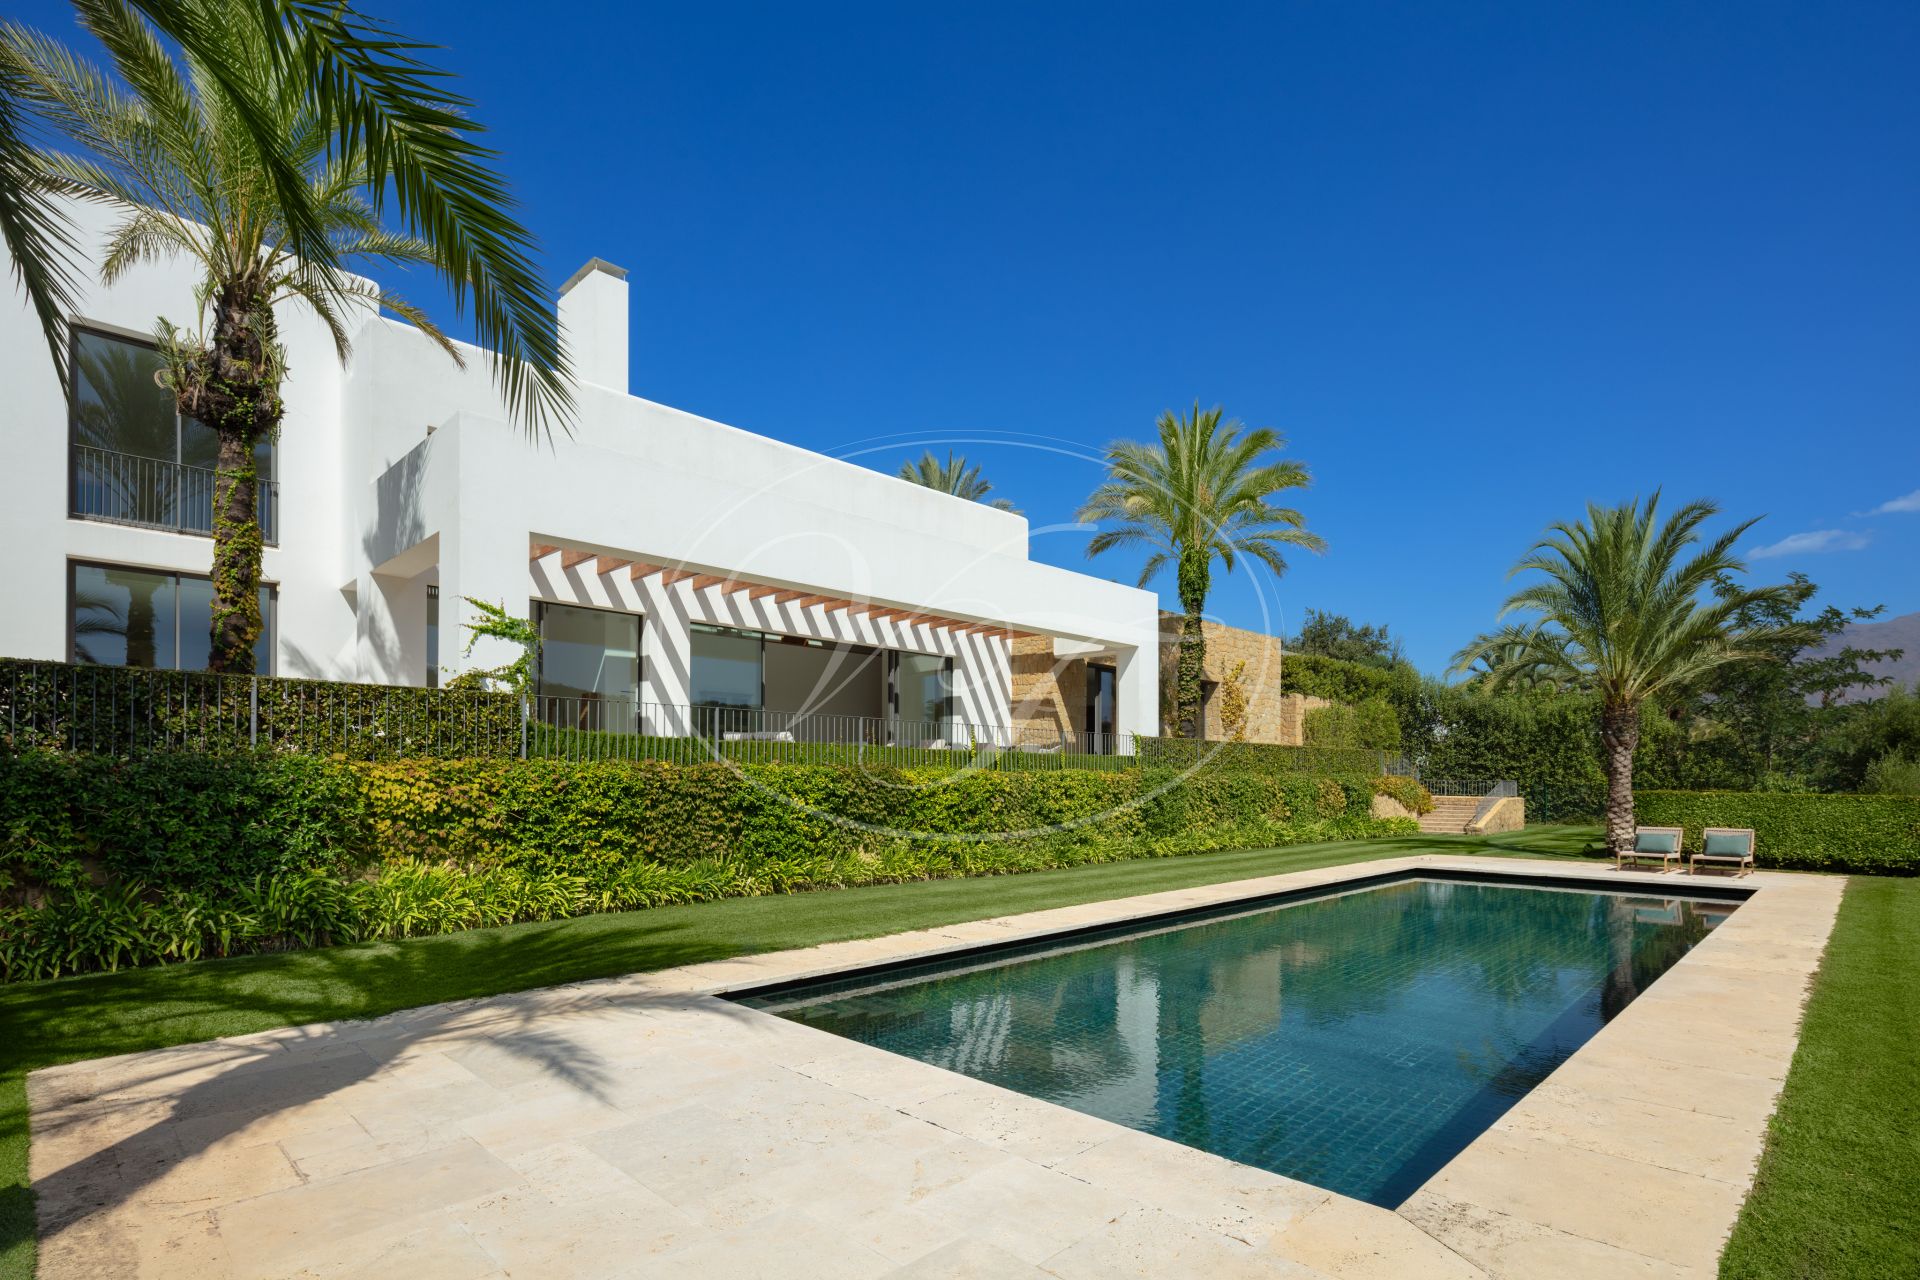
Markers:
<point>126,711</point>
<point>155,493</point>
<point>598,728</point>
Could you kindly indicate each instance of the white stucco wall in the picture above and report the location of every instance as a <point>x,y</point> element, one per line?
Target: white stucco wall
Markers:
<point>403,469</point>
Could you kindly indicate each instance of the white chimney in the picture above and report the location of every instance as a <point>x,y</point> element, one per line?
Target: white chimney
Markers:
<point>593,324</point>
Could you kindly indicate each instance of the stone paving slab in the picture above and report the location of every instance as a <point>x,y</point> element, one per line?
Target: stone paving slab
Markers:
<point>642,1126</point>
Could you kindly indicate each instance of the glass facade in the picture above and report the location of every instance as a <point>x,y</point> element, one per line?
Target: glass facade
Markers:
<point>923,688</point>
<point>588,652</point>
<point>135,460</point>
<point>727,668</point>
<point>151,618</point>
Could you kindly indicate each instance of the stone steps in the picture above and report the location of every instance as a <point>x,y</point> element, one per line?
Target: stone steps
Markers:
<point>1450,815</point>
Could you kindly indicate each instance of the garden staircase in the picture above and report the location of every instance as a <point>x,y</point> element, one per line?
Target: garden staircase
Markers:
<point>1451,814</point>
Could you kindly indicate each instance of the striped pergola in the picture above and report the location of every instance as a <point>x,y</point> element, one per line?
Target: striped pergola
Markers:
<point>637,570</point>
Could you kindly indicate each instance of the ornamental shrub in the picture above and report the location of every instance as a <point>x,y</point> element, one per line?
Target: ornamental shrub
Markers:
<point>1805,831</point>
<point>109,863</point>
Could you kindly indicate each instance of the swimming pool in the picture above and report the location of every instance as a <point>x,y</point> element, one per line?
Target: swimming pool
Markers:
<point>1356,1039</point>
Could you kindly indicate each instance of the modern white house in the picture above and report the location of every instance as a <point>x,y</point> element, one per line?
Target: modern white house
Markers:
<point>682,572</point>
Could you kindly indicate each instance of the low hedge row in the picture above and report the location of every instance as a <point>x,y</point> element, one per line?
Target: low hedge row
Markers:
<point>1257,757</point>
<point>110,863</point>
<point>1813,832</point>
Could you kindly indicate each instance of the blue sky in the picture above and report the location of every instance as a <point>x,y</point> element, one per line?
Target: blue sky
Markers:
<point>1481,263</point>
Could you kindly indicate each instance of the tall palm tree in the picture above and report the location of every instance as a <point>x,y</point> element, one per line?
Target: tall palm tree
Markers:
<point>955,476</point>
<point>1200,494</point>
<point>1625,614</point>
<point>175,151</point>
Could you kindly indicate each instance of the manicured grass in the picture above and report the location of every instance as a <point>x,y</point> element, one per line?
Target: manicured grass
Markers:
<point>110,1013</point>
<point>1838,1183</point>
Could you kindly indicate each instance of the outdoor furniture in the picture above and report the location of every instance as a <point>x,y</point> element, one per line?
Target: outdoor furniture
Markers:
<point>1652,844</point>
<point>780,735</point>
<point>1730,847</point>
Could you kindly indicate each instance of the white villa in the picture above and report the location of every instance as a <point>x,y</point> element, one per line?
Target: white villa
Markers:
<point>674,565</point>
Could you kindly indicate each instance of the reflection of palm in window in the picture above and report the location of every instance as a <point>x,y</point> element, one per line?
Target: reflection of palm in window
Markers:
<point>152,466</point>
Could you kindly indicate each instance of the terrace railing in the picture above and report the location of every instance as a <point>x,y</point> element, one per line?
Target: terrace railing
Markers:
<point>155,493</point>
<point>128,711</point>
<point>587,728</point>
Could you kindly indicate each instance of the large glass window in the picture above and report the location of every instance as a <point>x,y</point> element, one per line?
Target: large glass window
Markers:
<point>151,618</point>
<point>923,692</point>
<point>727,669</point>
<point>135,460</point>
<point>590,666</point>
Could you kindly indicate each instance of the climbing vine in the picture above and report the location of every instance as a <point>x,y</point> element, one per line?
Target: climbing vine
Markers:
<point>1233,703</point>
<point>497,624</point>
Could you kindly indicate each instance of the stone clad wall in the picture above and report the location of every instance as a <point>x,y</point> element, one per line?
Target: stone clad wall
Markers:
<point>1049,693</point>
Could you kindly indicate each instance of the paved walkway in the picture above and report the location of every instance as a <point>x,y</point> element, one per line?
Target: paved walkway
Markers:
<point>641,1127</point>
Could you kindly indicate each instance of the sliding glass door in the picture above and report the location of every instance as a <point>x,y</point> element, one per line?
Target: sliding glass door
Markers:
<point>922,700</point>
<point>589,668</point>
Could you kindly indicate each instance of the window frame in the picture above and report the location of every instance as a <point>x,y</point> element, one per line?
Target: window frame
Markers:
<point>269,617</point>
<point>78,329</point>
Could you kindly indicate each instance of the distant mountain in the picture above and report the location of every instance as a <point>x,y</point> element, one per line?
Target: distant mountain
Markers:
<point>1902,632</point>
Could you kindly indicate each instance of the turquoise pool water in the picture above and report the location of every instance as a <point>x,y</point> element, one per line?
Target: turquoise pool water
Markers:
<point>1355,1042</point>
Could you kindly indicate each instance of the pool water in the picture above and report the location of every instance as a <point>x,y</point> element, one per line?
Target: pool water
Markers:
<point>1356,1042</point>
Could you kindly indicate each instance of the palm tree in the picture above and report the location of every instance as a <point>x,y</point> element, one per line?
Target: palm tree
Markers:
<point>1198,495</point>
<point>1623,615</point>
<point>954,476</point>
<point>1516,665</point>
<point>176,153</point>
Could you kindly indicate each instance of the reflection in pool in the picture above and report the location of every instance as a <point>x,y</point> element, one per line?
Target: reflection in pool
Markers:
<point>1356,1042</point>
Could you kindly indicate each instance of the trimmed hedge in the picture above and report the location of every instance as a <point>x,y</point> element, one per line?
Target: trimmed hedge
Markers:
<point>169,857</point>
<point>1370,725</point>
<point>1806,831</point>
<point>1335,679</point>
<point>131,710</point>
<point>1256,757</point>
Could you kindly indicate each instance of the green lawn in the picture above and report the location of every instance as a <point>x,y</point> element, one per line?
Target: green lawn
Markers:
<point>1837,1185</point>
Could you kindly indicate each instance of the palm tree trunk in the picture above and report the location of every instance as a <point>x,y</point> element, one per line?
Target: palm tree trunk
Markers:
<point>233,386</point>
<point>1195,572</point>
<point>236,555</point>
<point>1619,736</point>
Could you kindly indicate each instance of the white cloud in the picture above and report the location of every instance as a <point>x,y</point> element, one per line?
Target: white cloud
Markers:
<point>1909,503</point>
<point>1800,544</point>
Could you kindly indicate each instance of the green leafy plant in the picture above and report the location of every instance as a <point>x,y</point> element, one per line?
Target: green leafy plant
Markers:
<point>496,623</point>
<point>1371,724</point>
<point>168,858</point>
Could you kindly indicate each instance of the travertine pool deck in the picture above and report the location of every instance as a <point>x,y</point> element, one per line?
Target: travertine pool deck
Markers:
<point>643,1127</point>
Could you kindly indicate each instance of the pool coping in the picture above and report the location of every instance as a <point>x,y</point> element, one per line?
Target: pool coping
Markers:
<point>1632,1158</point>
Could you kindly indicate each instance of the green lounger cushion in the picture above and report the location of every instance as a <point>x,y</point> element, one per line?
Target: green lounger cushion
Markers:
<point>1728,846</point>
<point>1656,842</point>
